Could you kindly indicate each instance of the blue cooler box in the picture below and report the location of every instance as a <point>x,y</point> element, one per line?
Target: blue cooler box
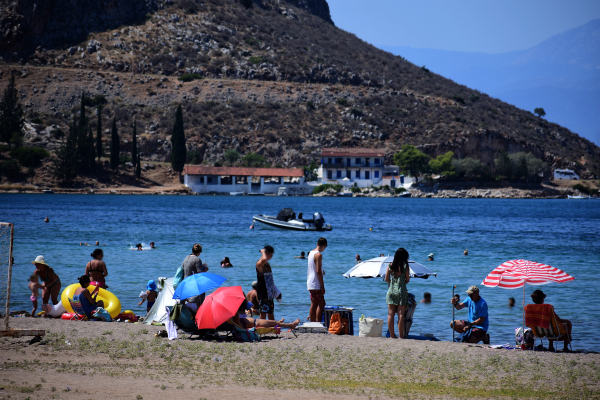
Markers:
<point>345,312</point>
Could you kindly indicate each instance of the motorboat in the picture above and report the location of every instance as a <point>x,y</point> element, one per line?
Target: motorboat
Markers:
<point>48,191</point>
<point>287,219</point>
<point>405,194</point>
<point>236,193</point>
<point>579,197</point>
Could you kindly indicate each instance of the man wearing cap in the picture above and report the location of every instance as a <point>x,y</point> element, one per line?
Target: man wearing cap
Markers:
<point>475,329</point>
<point>538,298</point>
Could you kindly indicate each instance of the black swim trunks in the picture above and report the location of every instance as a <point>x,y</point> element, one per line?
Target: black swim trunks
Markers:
<point>266,306</point>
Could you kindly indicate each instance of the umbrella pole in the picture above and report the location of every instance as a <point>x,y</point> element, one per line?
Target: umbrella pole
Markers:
<point>523,307</point>
<point>453,308</point>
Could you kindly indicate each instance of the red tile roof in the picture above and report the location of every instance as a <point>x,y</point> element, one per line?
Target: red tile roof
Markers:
<point>242,171</point>
<point>352,152</point>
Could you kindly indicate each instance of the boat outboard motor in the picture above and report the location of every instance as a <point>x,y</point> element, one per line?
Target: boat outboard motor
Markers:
<point>319,221</point>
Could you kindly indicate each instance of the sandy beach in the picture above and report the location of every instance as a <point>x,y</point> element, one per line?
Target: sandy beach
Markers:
<point>96,360</point>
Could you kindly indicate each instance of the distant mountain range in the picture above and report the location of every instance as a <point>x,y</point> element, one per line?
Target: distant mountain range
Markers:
<point>561,74</point>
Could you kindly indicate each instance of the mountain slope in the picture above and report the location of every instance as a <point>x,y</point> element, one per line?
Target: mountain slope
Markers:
<point>279,79</point>
<point>556,75</point>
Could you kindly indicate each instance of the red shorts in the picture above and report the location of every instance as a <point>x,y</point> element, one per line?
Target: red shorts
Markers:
<point>316,295</point>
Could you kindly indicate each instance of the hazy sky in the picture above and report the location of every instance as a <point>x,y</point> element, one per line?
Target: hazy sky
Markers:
<point>464,25</point>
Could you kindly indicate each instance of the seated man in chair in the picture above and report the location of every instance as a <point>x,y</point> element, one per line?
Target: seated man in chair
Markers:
<point>538,298</point>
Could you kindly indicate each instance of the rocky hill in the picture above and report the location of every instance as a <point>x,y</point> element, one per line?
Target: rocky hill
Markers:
<point>278,78</point>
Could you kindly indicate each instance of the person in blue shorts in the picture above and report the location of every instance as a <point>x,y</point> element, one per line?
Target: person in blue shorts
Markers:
<point>475,329</point>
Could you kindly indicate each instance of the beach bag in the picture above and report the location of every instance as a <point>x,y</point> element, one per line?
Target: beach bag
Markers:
<point>178,276</point>
<point>370,327</point>
<point>529,340</point>
<point>246,335</point>
<point>338,325</point>
<point>102,314</point>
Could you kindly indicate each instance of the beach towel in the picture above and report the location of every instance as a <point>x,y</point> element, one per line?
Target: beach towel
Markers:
<point>539,315</point>
<point>175,312</point>
<point>178,276</point>
<point>102,314</point>
<point>272,292</point>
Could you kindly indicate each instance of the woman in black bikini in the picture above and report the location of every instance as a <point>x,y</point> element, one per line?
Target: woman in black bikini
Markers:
<point>96,269</point>
<point>248,323</point>
<point>50,281</point>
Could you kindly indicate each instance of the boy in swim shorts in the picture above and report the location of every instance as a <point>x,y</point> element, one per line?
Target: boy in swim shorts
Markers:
<point>150,295</point>
<point>34,286</point>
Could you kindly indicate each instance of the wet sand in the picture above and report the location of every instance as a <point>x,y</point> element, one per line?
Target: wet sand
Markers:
<point>96,360</point>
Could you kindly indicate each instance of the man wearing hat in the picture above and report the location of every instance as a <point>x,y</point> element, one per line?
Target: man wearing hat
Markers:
<point>538,298</point>
<point>475,329</point>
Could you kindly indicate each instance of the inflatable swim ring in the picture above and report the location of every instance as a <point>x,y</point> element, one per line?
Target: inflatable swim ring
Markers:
<point>68,316</point>
<point>111,302</point>
<point>54,310</point>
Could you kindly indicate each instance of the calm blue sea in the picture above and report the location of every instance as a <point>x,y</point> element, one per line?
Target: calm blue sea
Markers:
<point>562,233</point>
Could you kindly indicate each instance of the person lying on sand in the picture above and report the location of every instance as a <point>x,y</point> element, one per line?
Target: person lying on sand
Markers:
<point>249,323</point>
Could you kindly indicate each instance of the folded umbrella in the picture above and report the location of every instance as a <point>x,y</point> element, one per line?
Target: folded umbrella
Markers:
<point>219,306</point>
<point>197,284</point>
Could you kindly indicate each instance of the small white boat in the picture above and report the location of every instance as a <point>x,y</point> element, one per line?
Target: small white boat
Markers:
<point>48,191</point>
<point>579,197</point>
<point>405,194</point>
<point>345,193</point>
<point>236,193</point>
<point>286,219</point>
<point>282,191</point>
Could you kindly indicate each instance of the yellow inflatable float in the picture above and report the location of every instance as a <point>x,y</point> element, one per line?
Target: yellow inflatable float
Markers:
<point>111,302</point>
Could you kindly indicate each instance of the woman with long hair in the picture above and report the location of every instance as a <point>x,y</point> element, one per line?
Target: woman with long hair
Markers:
<point>397,276</point>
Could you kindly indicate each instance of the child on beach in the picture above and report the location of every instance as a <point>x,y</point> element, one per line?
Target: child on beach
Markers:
<point>34,286</point>
<point>150,295</point>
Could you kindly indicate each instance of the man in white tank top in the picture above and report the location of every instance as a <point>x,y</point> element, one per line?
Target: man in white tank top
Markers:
<point>314,281</point>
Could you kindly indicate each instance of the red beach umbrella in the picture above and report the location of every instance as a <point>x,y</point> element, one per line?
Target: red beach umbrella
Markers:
<point>219,306</point>
<point>514,274</point>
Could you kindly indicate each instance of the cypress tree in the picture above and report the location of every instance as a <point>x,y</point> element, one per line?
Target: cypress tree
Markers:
<point>115,147</point>
<point>138,167</point>
<point>99,151</point>
<point>11,114</point>
<point>65,165</point>
<point>178,149</point>
<point>82,137</point>
<point>90,153</point>
<point>134,152</point>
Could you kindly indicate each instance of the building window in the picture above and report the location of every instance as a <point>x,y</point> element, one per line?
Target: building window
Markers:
<point>339,174</point>
<point>202,179</point>
<point>209,180</point>
<point>329,160</point>
<point>329,174</point>
<point>348,174</point>
<point>367,174</point>
<point>338,161</point>
<point>377,161</point>
<point>376,174</point>
<point>357,161</point>
<point>357,174</point>
<point>226,180</point>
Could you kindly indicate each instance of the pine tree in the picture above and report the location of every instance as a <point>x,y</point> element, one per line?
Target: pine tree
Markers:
<point>99,151</point>
<point>178,149</point>
<point>11,114</point>
<point>82,137</point>
<point>134,152</point>
<point>65,165</point>
<point>138,167</point>
<point>115,147</point>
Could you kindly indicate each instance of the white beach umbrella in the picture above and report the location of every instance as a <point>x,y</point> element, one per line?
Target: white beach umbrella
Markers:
<point>345,181</point>
<point>376,267</point>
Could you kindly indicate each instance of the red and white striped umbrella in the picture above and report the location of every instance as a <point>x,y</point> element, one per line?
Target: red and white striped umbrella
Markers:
<point>514,274</point>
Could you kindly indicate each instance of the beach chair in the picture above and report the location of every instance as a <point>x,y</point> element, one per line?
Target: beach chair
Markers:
<point>544,324</point>
<point>78,311</point>
<point>187,324</point>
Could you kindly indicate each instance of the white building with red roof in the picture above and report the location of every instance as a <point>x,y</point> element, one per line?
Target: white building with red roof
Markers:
<point>352,166</point>
<point>205,179</point>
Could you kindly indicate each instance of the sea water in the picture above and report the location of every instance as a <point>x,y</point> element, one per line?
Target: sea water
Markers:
<point>561,233</point>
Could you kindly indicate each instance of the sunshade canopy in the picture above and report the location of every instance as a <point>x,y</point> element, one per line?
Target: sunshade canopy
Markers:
<point>376,267</point>
<point>197,284</point>
<point>219,306</point>
<point>514,274</point>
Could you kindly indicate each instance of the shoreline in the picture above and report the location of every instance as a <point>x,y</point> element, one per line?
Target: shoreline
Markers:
<point>127,361</point>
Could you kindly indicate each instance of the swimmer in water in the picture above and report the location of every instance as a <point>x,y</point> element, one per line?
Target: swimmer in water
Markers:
<point>47,220</point>
<point>152,245</point>
<point>139,247</point>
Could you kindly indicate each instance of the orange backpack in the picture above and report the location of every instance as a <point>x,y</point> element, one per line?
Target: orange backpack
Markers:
<point>338,325</point>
